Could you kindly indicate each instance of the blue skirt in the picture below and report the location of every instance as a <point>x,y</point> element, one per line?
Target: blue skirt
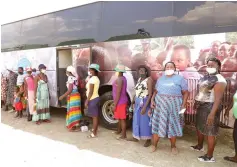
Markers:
<point>166,121</point>
<point>141,127</point>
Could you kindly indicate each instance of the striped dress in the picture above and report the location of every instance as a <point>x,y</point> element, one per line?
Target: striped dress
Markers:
<point>166,121</point>
<point>73,105</point>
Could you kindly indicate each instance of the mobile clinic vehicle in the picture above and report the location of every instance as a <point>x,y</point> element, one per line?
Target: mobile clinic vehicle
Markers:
<point>131,33</point>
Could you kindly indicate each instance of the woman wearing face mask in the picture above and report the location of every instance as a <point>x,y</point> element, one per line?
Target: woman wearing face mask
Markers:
<point>208,107</point>
<point>41,97</point>
<point>141,102</point>
<point>73,100</point>
<point>170,96</point>
<point>92,102</point>
<point>29,92</point>
<point>120,100</point>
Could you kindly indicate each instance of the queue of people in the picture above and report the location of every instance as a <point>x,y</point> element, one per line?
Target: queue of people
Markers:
<point>157,108</point>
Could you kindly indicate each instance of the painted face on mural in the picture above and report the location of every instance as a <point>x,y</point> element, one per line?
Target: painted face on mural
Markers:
<point>215,47</point>
<point>229,66</point>
<point>224,51</point>
<point>233,49</point>
<point>181,59</point>
<point>125,56</point>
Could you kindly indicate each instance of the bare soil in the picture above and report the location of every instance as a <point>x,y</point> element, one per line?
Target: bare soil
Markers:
<point>107,144</point>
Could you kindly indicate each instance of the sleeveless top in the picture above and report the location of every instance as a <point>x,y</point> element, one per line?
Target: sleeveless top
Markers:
<point>123,97</point>
<point>30,83</point>
<point>206,87</point>
<point>142,88</point>
<point>42,90</point>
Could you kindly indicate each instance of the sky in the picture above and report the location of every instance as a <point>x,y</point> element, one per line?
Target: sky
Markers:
<point>14,10</point>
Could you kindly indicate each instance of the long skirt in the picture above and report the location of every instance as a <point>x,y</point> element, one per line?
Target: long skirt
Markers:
<point>141,127</point>
<point>42,110</point>
<point>203,110</point>
<point>31,97</point>
<point>166,121</point>
<point>73,110</point>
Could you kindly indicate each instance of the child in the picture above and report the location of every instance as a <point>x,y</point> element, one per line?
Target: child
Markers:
<point>17,102</point>
<point>181,56</point>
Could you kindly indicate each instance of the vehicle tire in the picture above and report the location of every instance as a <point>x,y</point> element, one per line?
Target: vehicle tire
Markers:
<point>106,114</point>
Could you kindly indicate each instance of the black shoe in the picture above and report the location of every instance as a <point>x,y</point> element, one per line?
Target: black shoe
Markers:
<point>196,148</point>
<point>205,158</point>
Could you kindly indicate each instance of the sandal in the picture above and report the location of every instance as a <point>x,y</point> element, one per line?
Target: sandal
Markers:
<point>121,138</point>
<point>116,132</point>
<point>174,151</point>
<point>38,122</point>
<point>230,159</point>
<point>74,129</point>
<point>91,136</point>
<point>47,121</point>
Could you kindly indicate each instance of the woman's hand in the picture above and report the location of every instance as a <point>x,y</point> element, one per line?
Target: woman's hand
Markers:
<point>183,106</point>
<point>210,119</point>
<point>143,111</point>
<point>149,113</point>
<point>153,104</point>
<point>60,98</point>
<point>86,104</point>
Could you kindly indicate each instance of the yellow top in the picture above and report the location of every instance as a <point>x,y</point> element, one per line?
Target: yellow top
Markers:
<point>96,82</point>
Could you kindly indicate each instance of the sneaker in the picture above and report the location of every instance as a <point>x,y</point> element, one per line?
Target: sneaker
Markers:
<point>205,158</point>
<point>196,148</point>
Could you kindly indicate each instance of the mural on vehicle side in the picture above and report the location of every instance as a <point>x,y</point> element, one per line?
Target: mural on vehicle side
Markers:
<point>189,53</point>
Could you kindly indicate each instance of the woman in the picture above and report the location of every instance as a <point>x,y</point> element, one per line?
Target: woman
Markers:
<point>12,79</point>
<point>170,96</point>
<point>41,97</point>
<point>120,100</point>
<point>141,127</point>
<point>234,158</point>
<point>208,107</point>
<point>92,102</point>
<point>73,100</point>
<point>29,92</point>
<point>20,84</point>
<point>3,90</point>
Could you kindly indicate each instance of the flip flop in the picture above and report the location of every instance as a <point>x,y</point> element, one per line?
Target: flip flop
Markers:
<point>115,132</point>
<point>121,138</point>
<point>228,159</point>
<point>91,136</point>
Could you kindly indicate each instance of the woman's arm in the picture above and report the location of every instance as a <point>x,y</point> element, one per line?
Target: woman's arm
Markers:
<point>91,90</point>
<point>25,88</point>
<point>119,90</point>
<point>150,87</point>
<point>219,89</point>
<point>36,85</point>
<point>69,91</point>
<point>185,94</point>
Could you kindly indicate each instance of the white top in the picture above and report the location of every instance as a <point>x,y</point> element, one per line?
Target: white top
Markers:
<point>72,80</point>
<point>20,79</point>
<point>206,87</point>
<point>142,88</point>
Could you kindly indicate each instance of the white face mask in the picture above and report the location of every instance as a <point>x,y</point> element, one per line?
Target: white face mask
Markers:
<point>43,71</point>
<point>89,73</point>
<point>169,72</point>
<point>211,70</point>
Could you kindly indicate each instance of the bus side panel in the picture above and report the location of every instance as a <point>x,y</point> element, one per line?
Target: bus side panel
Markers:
<point>33,58</point>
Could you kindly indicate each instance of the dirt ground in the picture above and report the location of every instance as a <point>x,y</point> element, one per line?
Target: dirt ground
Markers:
<point>107,145</point>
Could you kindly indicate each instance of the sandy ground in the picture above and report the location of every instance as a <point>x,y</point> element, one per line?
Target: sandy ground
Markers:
<point>25,143</point>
